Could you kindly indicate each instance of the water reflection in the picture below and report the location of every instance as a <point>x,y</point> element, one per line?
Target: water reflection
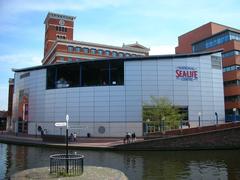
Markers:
<point>136,165</point>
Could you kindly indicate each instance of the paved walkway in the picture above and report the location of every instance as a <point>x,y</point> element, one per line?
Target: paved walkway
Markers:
<point>89,173</point>
<point>86,143</point>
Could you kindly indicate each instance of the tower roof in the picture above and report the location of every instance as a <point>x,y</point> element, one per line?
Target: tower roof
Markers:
<point>59,16</point>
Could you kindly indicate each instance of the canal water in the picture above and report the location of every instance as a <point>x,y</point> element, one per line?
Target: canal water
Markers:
<point>170,165</point>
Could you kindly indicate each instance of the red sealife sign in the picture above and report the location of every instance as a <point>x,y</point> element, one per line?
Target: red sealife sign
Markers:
<point>186,73</point>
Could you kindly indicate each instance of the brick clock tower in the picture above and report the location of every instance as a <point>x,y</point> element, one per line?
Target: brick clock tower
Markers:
<point>57,26</point>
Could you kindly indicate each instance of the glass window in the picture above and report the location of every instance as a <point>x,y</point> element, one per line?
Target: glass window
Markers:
<point>93,51</point>
<point>51,77</point>
<point>117,72</point>
<point>70,48</point>
<point>127,55</point>
<point>232,83</point>
<point>63,76</point>
<point>85,50</point>
<point>120,54</point>
<point>114,54</point>
<point>70,59</point>
<point>231,68</point>
<point>95,73</point>
<point>77,49</point>
<point>211,42</point>
<point>61,58</point>
<point>100,52</point>
<point>107,53</point>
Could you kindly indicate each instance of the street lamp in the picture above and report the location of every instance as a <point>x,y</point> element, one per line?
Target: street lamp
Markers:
<point>67,119</point>
<point>163,123</point>
<point>199,119</point>
<point>216,114</point>
<point>234,113</point>
<point>148,120</point>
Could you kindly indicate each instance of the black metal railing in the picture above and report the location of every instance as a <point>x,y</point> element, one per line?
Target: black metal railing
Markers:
<point>62,164</point>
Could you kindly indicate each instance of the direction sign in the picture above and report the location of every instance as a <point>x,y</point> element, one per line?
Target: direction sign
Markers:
<point>61,124</point>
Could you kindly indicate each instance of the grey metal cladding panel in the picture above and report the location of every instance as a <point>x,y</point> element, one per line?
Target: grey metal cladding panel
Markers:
<point>133,82</point>
<point>115,108</point>
<point>84,99</point>
<point>117,99</point>
<point>86,109</point>
<point>134,93</point>
<point>149,64</point>
<point>116,103</point>
<point>132,77</point>
<point>133,88</point>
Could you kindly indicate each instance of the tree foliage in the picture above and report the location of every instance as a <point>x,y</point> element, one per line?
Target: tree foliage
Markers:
<point>160,112</point>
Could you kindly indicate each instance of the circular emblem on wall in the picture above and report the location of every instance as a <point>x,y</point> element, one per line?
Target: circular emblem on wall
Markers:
<point>101,130</point>
<point>61,22</point>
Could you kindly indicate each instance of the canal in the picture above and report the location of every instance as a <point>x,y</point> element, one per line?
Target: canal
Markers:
<point>221,164</point>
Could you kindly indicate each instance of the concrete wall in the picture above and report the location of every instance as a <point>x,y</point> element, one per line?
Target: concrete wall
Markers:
<point>227,138</point>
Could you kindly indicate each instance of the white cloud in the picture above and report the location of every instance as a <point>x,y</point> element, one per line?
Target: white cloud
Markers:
<point>162,49</point>
<point>54,5</point>
<point>21,59</point>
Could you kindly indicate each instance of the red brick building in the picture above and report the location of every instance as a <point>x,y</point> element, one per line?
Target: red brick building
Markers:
<point>213,36</point>
<point>60,46</point>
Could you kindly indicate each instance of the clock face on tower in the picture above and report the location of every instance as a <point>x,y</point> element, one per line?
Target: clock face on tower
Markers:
<point>61,22</point>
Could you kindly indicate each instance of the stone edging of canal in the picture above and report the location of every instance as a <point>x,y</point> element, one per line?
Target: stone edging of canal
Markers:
<point>90,172</point>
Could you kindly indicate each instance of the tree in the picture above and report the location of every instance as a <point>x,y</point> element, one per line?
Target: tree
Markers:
<point>162,114</point>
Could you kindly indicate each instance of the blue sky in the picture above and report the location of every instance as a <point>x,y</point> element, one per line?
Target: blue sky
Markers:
<point>155,24</point>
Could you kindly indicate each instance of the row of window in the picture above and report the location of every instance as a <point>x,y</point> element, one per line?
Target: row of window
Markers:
<point>99,52</point>
<point>232,83</point>
<point>232,98</point>
<point>61,37</point>
<point>95,73</point>
<point>215,41</point>
<point>61,29</point>
<point>231,68</point>
<point>230,53</point>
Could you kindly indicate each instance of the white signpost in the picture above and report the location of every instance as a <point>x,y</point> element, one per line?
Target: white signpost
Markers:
<point>60,124</point>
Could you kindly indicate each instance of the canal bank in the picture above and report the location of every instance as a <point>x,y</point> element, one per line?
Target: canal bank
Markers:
<point>225,136</point>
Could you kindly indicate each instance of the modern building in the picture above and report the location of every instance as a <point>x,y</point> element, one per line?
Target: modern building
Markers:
<point>59,45</point>
<point>105,97</point>
<point>212,36</point>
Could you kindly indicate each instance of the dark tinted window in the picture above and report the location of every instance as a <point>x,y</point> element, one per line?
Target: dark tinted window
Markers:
<point>51,78</point>
<point>117,72</point>
<point>63,76</point>
<point>95,73</point>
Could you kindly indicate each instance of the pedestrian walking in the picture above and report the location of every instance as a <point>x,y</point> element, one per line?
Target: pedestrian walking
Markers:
<point>133,137</point>
<point>75,137</point>
<point>128,137</point>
